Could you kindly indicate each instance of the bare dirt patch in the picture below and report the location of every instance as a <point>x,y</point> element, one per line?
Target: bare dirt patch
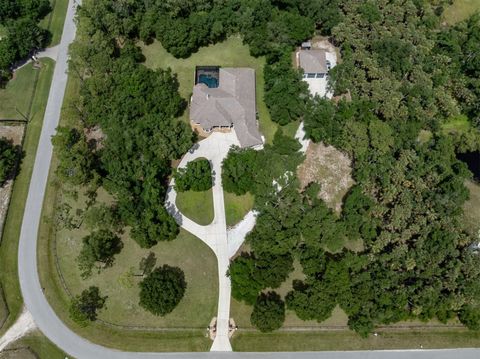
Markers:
<point>331,169</point>
<point>14,133</point>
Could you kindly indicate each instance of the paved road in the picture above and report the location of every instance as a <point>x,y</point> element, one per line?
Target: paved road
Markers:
<point>43,314</point>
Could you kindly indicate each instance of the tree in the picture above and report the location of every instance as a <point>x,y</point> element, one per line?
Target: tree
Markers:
<point>268,312</point>
<point>197,176</point>
<point>75,158</point>
<point>8,158</point>
<point>84,307</point>
<point>251,273</point>
<point>162,290</point>
<point>99,246</point>
<point>103,216</point>
<point>238,170</point>
<point>285,92</point>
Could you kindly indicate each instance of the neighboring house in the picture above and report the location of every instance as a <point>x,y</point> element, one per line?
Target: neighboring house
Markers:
<point>315,64</point>
<point>224,98</point>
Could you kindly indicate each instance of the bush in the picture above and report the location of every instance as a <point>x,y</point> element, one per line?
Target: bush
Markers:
<point>268,312</point>
<point>84,307</point>
<point>197,176</point>
<point>162,290</point>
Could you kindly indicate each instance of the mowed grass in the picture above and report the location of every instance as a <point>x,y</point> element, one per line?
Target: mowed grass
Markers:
<point>236,207</point>
<point>11,232</point>
<point>37,343</point>
<point>471,208</point>
<point>17,94</point>
<point>460,10</point>
<point>347,340</point>
<point>229,53</point>
<point>198,206</point>
<point>54,20</point>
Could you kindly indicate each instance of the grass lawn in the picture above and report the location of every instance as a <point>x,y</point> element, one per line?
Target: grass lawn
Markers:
<point>460,10</point>
<point>18,92</point>
<point>37,343</point>
<point>198,206</point>
<point>471,208</point>
<point>236,207</point>
<point>229,53</point>
<point>11,232</point>
<point>347,340</point>
<point>55,19</point>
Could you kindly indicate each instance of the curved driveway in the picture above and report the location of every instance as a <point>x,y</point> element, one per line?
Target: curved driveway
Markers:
<point>36,303</point>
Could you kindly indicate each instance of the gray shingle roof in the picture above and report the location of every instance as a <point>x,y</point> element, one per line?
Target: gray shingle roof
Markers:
<point>232,103</point>
<point>313,61</point>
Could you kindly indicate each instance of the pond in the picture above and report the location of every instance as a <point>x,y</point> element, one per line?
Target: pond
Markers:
<point>472,159</point>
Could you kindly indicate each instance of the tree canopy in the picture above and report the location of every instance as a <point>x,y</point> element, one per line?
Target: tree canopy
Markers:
<point>197,176</point>
<point>20,19</point>
<point>268,312</point>
<point>162,290</point>
<point>99,246</point>
<point>84,307</point>
<point>8,158</point>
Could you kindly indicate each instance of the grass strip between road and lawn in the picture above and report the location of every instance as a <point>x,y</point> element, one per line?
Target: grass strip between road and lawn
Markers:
<point>54,20</point>
<point>348,340</point>
<point>11,232</point>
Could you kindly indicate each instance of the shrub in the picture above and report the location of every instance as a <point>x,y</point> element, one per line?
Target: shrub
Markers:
<point>197,176</point>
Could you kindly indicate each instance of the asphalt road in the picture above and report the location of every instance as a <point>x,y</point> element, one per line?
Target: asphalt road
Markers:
<point>33,296</point>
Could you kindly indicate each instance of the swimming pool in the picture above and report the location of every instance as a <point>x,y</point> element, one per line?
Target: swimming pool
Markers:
<point>209,80</point>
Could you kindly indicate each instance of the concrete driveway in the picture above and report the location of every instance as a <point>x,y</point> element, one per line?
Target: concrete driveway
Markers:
<point>214,148</point>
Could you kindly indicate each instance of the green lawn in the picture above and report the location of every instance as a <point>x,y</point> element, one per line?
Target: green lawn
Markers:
<point>460,10</point>
<point>347,340</point>
<point>18,93</point>
<point>229,53</point>
<point>37,343</point>
<point>198,206</point>
<point>236,207</point>
<point>472,208</point>
<point>9,244</point>
<point>55,19</point>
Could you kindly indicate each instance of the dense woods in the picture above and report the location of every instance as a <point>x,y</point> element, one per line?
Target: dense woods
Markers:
<point>22,33</point>
<point>404,71</point>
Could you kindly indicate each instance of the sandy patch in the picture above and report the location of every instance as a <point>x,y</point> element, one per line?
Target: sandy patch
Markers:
<point>331,169</point>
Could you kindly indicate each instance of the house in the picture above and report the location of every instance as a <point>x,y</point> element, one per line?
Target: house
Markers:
<point>224,98</point>
<point>316,63</point>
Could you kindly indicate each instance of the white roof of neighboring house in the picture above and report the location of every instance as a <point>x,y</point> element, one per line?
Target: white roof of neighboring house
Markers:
<point>231,103</point>
<point>313,61</point>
